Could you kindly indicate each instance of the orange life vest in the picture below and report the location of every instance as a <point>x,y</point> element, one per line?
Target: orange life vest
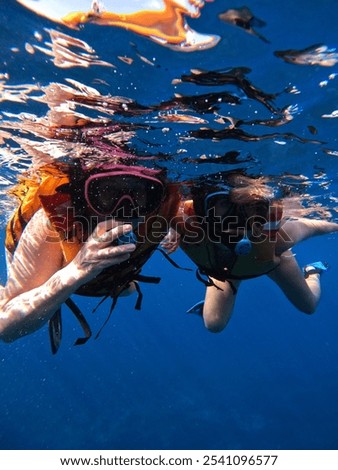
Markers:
<point>51,193</point>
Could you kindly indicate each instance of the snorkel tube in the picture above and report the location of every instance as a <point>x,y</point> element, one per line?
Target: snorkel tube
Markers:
<point>275,216</point>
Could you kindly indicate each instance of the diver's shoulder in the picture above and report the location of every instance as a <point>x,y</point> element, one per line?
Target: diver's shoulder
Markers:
<point>40,228</point>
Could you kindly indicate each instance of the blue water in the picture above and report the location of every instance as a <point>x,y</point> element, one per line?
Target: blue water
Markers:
<point>156,379</point>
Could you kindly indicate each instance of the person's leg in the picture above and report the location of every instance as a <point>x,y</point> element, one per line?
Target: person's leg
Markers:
<point>303,293</point>
<point>218,304</point>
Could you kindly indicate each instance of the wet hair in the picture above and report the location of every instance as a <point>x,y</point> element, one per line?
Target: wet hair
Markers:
<point>251,193</point>
<point>243,192</point>
<point>246,191</point>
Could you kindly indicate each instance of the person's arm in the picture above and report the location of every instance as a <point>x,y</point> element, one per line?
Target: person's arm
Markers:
<point>38,284</point>
<point>171,241</point>
<point>294,231</point>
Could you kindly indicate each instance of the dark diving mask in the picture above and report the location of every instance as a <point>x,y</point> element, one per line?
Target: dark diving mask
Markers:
<point>229,214</point>
<point>268,213</point>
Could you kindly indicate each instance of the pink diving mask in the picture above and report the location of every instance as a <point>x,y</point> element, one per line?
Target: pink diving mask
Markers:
<point>124,191</point>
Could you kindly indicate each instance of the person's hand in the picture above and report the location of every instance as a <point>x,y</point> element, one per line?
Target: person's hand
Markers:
<point>171,241</point>
<point>98,252</point>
